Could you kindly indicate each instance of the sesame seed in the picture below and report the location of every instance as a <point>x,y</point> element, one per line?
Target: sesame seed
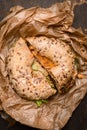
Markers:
<point>20,58</point>
<point>36,93</point>
<point>18,53</point>
<point>23,90</point>
<point>27,88</point>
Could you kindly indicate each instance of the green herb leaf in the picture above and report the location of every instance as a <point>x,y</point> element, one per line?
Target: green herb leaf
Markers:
<point>44,101</point>
<point>40,102</point>
<point>34,66</point>
<point>63,90</point>
<point>76,60</point>
<point>37,67</point>
<point>48,77</point>
<point>77,63</point>
<point>50,81</point>
<point>52,86</point>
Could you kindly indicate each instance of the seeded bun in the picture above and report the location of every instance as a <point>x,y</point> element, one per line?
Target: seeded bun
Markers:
<point>60,53</point>
<point>28,83</point>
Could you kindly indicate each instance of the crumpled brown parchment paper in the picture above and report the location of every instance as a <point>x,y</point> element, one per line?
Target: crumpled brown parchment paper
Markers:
<point>56,22</point>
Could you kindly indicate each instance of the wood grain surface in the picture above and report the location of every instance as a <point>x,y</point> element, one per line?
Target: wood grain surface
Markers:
<point>78,121</point>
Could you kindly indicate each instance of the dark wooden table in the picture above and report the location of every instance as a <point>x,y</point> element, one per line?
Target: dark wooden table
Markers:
<point>78,121</point>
